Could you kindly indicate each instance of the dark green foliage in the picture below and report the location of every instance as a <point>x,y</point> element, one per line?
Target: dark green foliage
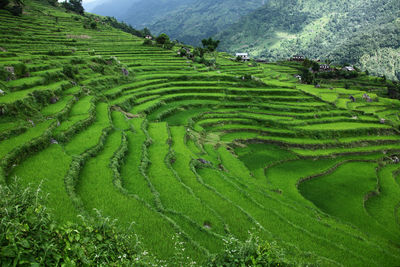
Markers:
<point>59,53</point>
<point>183,52</point>
<point>394,90</point>
<point>70,71</point>
<point>21,70</point>
<point>52,2</point>
<point>125,27</point>
<point>77,60</point>
<point>199,52</point>
<point>4,75</point>
<point>315,66</point>
<point>93,25</point>
<point>306,76</point>
<point>4,3</point>
<point>74,6</point>
<point>147,42</point>
<point>210,44</point>
<point>29,236</point>
<point>253,252</point>
<point>162,39</point>
<point>16,10</point>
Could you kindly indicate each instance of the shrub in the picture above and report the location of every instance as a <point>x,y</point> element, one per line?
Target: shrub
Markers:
<point>29,236</point>
<point>52,2</point>
<point>4,75</point>
<point>253,252</point>
<point>77,60</point>
<point>16,10</point>
<point>162,39</point>
<point>74,6</point>
<point>4,3</point>
<point>148,42</point>
<point>21,70</point>
<point>93,25</point>
<point>70,71</point>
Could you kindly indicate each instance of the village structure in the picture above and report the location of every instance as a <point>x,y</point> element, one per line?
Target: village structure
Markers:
<point>243,56</point>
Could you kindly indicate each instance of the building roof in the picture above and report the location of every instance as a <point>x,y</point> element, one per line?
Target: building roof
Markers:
<point>242,54</point>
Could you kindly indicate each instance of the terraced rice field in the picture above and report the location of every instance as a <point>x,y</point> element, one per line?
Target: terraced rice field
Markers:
<point>177,147</point>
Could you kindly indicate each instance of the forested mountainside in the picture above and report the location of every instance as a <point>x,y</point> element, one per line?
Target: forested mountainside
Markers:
<point>203,18</point>
<point>361,32</point>
<point>140,13</point>
<point>189,21</point>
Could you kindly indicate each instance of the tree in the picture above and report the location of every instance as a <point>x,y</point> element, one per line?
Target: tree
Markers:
<point>75,6</point>
<point>4,3</point>
<point>315,66</point>
<point>210,44</point>
<point>199,52</point>
<point>146,32</point>
<point>306,76</point>
<point>162,39</point>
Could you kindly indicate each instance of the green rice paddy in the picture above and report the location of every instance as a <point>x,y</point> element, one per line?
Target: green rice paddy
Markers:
<point>205,153</point>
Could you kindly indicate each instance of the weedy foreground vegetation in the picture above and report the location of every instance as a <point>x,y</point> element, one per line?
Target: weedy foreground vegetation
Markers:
<point>145,157</point>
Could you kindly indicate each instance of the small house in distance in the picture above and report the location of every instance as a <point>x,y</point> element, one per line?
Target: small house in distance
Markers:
<point>324,67</point>
<point>297,58</point>
<point>243,56</point>
<point>348,68</point>
<point>149,37</point>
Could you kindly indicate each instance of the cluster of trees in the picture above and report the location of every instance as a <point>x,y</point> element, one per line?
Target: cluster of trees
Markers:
<point>310,73</point>
<point>161,40</point>
<point>14,6</point>
<point>394,90</point>
<point>209,46</point>
<point>113,22</point>
<point>74,6</point>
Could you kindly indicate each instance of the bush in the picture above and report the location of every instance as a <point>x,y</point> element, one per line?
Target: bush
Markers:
<point>77,60</point>
<point>93,25</point>
<point>4,75</point>
<point>253,252</point>
<point>162,39</point>
<point>148,42</point>
<point>52,2</point>
<point>74,6</point>
<point>16,10</point>
<point>28,236</point>
<point>4,3</point>
<point>21,70</point>
<point>70,71</point>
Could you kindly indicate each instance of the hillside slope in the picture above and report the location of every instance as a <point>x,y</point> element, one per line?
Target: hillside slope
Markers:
<point>362,32</point>
<point>202,18</point>
<point>188,21</point>
<point>139,13</point>
<point>176,149</point>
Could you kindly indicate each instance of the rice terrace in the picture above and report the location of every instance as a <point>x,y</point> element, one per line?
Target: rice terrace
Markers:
<point>193,157</point>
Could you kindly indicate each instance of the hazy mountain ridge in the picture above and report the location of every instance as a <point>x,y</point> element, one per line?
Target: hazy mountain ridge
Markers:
<point>203,18</point>
<point>139,13</point>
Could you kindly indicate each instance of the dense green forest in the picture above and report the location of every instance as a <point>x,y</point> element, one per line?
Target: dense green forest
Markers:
<point>139,13</point>
<point>361,32</point>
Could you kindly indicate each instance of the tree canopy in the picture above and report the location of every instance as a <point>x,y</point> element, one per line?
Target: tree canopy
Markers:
<point>210,44</point>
